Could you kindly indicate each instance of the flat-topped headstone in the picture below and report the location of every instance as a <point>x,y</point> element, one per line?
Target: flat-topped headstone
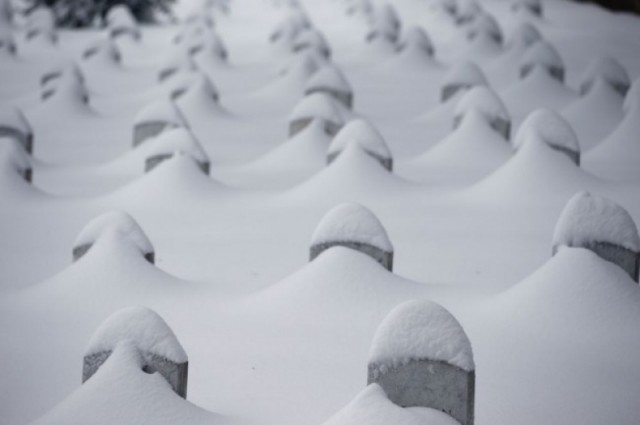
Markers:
<point>542,55</point>
<point>117,222</point>
<point>461,77</point>
<point>149,333</point>
<point>330,80</point>
<point>320,106</point>
<point>551,128</point>
<point>363,133</point>
<point>602,226</point>
<point>421,357</point>
<point>353,226</point>
<point>609,70</point>
<point>489,105</point>
<point>14,125</point>
<point>166,144</point>
<point>154,119</point>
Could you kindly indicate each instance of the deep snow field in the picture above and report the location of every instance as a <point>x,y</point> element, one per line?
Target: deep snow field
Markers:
<point>272,338</point>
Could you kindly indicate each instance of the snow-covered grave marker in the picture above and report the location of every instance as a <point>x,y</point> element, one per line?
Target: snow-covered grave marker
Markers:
<point>532,6</point>
<point>542,55</point>
<point>166,144</point>
<point>363,133</point>
<point>484,24</point>
<point>461,77</point>
<point>158,346</point>
<point>14,125</point>
<point>609,70</point>
<point>15,158</point>
<point>353,226</point>
<point>121,23</point>
<point>552,129</point>
<point>318,106</point>
<point>154,119</point>
<point>330,80</point>
<point>602,226</point>
<point>490,106</point>
<point>117,223</point>
<point>311,39</point>
<point>417,38</point>
<point>421,357</point>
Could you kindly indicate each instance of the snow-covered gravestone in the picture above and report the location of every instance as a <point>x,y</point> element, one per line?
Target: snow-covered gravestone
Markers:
<point>542,55</point>
<point>14,125</point>
<point>14,157</point>
<point>117,222</point>
<point>104,52</point>
<point>330,80</point>
<point>362,132</point>
<point>552,129</point>
<point>602,226</point>
<point>609,70</point>
<point>417,38</point>
<point>462,77</point>
<point>121,22</point>
<point>149,333</point>
<point>489,105</point>
<point>467,11</point>
<point>319,106</point>
<point>421,357</point>
<point>154,119</point>
<point>532,6</point>
<point>166,144</point>
<point>7,45</point>
<point>353,226</point>
<point>486,24</point>
<point>524,36</point>
<point>313,40</point>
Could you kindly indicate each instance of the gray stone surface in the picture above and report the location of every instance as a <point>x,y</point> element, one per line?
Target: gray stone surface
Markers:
<point>428,383</point>
<point>383,257</point>
<point>153,161</point>
<point>79,251</point>
<point>175,373</point>
<point>623,257</point>
<point>145,130</point>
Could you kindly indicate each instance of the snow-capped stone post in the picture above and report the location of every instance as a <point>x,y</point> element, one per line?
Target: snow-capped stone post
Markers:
<point>461,77</point>
<point>14,125</point>
<point>169,142</point>
<point>330,80</point>
<point>367,136</point>
<point>154,119</point>
<point>542,55</point>
<point>114,222</point>
<point>421,357</point>
<point>489,105</point>
<point>553,130</point>
<point>318,106</point>
<point>602,226</point>
<point>149,333</point>
<point>609,70</point>
<point>353,226</point>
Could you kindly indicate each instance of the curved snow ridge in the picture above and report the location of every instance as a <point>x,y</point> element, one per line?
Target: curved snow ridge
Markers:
<point>142,326</point>
<point>351,222</point>
<point>542,54</point>
<point>588,218</point>
<point>550,127</point>
<point>317,105</point>
<point>116,222</point>
<point>360,131</point>
<point>421,329</point>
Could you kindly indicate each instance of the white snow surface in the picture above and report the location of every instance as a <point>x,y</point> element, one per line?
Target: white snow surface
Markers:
<point>351,222</point>
<point>142,327</point>
<point>590,218</point>
<point>548,126</point>
<point>362,132</point>
<point>419,330</point>
<point>115,221</point>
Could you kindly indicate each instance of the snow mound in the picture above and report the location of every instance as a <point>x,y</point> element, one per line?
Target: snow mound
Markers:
<point>484,24</point>
<point>467,11</point>
<point>142,326</point>
<point>14,157</point>
<point>120,21</point>
<point>177,60</point>
<point>421,329</point>
<point>160,111</point>
<point>632,99</point>
<point>311,39</point>
<point>103,52</point>
<point>524,36</point>
<point>462,76</point>
<point>328,78</point>
<point>485,101</point>
<point>373,407</point>
<point>544,55</point>
<point>117,222</point>
<point>590,218</point>
<point>13,124</point>
<point>366,135</point>
<point>533,6</point>
<point>417,37</point>
<point>174,140</point>
<point>318,105</point>
<point>351,222</point>
<point>550,127</point>
<point>608,69</point>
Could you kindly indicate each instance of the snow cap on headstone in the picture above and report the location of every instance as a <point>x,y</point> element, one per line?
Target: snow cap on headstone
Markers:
<point>524,36</point>
<point>330,79</point>
<point>118,223</point>
<point>67,86</point>
<point>417,37</point>
<point>14,157</point>
<point>550,128</point>
<point>421,330</point>
<point>363,133</point>
<point>467,11</point>
<point>200,87</point>
<point>484,24</point>
<point>318,106</point>
<point>41,24</point>
<point>354,226</point>
<point>488,104</point>
<point>311,39</point>
<point>532,6</point>
<point>102,51</point>
<point>120,21</point>
<point>155,118</point>
<point>542,55</point>
<point>13,124</point>
<point>462,76</point>
<point>166,144</point>
<point>178,60</point>
<point>7,43</point>
<point>609,70</point>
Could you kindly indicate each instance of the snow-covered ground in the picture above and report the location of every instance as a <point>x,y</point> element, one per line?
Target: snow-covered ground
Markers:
<point>210,222</point>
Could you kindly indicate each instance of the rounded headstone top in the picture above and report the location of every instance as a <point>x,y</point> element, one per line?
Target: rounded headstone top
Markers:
<point>174,140</point>
<point>328,77</point>
<point>608,69</point>
<point>550,127</point>
<point>484,100</point>
<point>317,105</point>
<point>362,132</point>
<point>421,330</point>
<point>11,117</point>
<point>351,222</point>
<point>588,219</point>
<point>118,222</point>
<point>465,73</point>
<point>524,35</point>
<point>162,110</point>
<point>141,326</point>
<point>542,54</point>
